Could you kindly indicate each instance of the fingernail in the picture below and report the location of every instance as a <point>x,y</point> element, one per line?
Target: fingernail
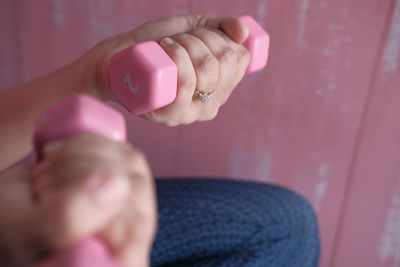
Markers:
<point>52,147</point>
<point>108,189</point>
<point>166,41</point>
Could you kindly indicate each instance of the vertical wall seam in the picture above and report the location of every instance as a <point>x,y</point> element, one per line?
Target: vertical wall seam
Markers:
<point>360,132</point>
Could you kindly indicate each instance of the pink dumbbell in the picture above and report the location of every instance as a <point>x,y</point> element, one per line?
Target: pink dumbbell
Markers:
<point>144,77</point>
<point>75,115</point>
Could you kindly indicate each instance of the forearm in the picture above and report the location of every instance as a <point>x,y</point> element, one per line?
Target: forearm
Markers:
<point>21,105</point>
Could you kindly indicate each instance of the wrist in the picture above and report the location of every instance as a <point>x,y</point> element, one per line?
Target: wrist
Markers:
<point>95,67</point>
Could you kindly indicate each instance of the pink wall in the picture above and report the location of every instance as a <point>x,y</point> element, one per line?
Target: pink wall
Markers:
<point>322,118</point>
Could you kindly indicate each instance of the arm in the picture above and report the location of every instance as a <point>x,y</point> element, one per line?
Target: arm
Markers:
<point>21,105</point>
<point>205,49</point>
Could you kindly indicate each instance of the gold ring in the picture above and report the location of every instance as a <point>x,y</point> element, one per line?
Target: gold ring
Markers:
<point>203,96</point>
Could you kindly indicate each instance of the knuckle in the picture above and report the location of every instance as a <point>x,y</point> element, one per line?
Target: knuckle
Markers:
<point>244,54</point>
<point>127,148</point>
<point>208,64</point>
<point>218,32</point>
<point>180,38</point>
<point>139,168</point>
<point>136,157</point>
<point>228,55</point>
<point>176,51</point>
<point>187,81</point>
<point>197,31</point>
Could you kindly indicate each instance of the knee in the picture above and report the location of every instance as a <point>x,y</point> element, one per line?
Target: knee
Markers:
<point>300,215</point>
<point>298,227</point>
<point>282,223</point>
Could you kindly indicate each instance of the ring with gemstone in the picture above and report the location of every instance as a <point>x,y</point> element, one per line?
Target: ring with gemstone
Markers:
<point>203,96</point>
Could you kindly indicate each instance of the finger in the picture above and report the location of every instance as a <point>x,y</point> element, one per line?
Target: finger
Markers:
<point>83,143</point>
<point>205,63</point>
<point>186,72</point>
<point>160,28</point>
<point>131,234</point>
<point>70,164</point>
<point>223,35</point>
<point>31,230</point>
<point>236,29</point>
<point>225,51</point>
<point>75,148</point>
<point>215,42</point>
<point>233,27</point>
<point>66,215</point>
<point>68,171</point>
<point>180,110</point>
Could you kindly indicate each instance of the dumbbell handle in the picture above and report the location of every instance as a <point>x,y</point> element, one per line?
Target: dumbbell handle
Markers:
<point>72,116</point>
<point>144,77</point>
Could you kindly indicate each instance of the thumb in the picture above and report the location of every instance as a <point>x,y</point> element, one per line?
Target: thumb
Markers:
<point>233,27</point>
<point>79,209</point>
<point>164,27</point>
<point>236,29</point>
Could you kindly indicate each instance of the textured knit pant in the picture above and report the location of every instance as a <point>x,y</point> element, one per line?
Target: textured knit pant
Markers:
<point>211,222</point>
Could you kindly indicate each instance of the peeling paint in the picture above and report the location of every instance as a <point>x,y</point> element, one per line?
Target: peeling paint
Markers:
<point>327,52</point>
<point>348,38</point>
<point>261,8</point>
<point>389,246</point>
<point>263,168</point>
<point>336,43</point>
<point>261,13</point>
<point>392,49</point>
<point>302,22</point>
<point>319,91</point>
<point>258,165</point>
<point>333,26</point>
<point>59,15</point>
<point>57,4</point>
<point>322,185</point>
<point>100,17</point>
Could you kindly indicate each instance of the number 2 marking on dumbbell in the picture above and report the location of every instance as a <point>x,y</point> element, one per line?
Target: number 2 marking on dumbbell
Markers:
<point>128,81</point>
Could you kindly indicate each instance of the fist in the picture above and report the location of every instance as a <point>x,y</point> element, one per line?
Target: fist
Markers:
<point>209,57</point>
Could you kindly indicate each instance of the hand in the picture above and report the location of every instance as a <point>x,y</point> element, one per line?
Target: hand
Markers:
<point>86,185</point>
<point>208,55</point>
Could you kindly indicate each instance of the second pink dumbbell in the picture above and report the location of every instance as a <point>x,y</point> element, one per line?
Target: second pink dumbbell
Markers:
<point>76,115</point>
<point>144,77</point>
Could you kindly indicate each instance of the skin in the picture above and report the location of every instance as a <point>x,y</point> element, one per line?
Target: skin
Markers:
<point>208,55</point>
<point>206,50</point>
<point>107,190</point>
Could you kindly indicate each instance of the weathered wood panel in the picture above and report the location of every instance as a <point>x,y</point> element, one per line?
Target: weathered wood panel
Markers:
<point>296,123</point>
<point>370,233</point>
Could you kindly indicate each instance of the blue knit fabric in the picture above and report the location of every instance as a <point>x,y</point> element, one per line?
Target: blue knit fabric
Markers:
<point>213,222</point>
